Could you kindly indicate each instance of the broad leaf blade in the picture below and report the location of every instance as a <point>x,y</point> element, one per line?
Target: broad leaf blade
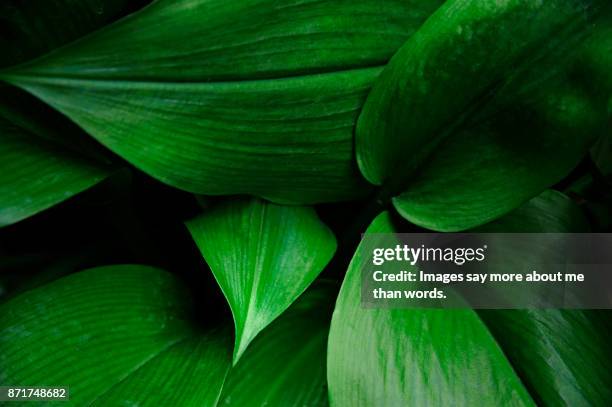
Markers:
<point>188,373</point>
<point>35,174</point>
<point>206,97</point>
<point>413,356</point>
<point>109,334</point>
<point>285,364</point>
<point>561,355</point>
<point>448,67</point>
<point>263,256</point>
<point>482,173</point>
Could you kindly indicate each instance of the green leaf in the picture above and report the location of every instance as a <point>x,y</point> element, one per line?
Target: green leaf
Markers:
<point>484,172</point>
<point>115,335</point>
<point>413,356</point>
<point>561,355</point>
<point>549,212</point>
<point>285,364</point>
<point>464,51</point>
<point>219,97</point>
<point>36,174</point>
<point>31,28</point>
<point>263,256</point>
<point>596,58</point>
<point>497,111</point>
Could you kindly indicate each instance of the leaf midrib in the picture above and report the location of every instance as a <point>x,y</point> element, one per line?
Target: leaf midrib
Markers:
<point>16,78</point>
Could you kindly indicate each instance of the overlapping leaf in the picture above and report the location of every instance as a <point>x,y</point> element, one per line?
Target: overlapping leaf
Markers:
<point>285,365</point>
<point>482,173</point>
<point>413,356</point>
<point>263,256</point>
<point>35,174</point>
<point>481,110</point>
<point>223,97</point>
<point>115,335</point>
<point>561,355</point>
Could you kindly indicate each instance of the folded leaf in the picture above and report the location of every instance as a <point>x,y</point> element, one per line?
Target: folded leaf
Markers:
<point>413,356</point>
<point>561,355</point>
<point>219,97</point>
<point>263,256</point>
<point>285,364</point>
<point>62,334</point>
<point>36,174</point>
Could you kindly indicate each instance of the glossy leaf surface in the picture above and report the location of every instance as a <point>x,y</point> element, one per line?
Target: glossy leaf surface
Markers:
<point>263,256</point>
<point>413,356</point>
<point>561,355</point>
<point>220,97</point>
<point>484,172</point>
<point>441,74</point>
<point>483,108</point>
<point>64,332</point>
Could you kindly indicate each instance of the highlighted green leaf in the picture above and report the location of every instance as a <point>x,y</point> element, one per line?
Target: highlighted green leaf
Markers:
<point>413,356</point>
<point>116,335</point>
<point>561,355</point>
<point>219,97</point>
<point>482,109</point>
<point>263,256</point>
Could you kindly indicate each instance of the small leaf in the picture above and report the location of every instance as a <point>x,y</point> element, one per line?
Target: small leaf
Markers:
<point>263,256</point>
<point>205,96</point>
<point>561,355</point>
<point>137,315</point>
<point>413,356</point>
<point>285,364</point>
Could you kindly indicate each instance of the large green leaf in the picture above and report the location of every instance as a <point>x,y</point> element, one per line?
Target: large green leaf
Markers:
<point>285,365</point>
<point>221,97</point>
<point>465,50</point>
<point>482,109</point>
<point>484,172</point>
<point>263,256</point>
<point>561,355</point>
<point>36,174</point>
<point>413,356</point>
<point>115,335</point>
